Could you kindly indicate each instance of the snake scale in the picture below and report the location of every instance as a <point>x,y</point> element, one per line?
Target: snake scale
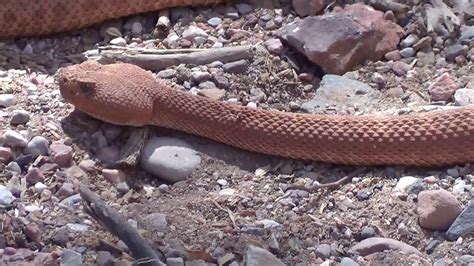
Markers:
<point>125,94</point>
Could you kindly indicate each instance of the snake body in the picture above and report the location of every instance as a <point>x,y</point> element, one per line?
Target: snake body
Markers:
<point>26,18</point>
<point>125,94</point>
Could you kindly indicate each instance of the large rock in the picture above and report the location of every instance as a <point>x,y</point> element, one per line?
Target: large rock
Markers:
<point>437,209</point>
<point>340,41</point>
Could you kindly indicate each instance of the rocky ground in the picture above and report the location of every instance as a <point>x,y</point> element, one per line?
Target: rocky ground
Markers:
<point>199,202</point>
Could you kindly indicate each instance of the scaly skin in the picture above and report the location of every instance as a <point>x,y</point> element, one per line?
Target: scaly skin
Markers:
<point>26,18</point>
<point>125,94</point>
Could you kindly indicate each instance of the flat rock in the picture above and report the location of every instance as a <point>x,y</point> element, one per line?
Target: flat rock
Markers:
<point>169,158</point>
<point>379,244</point>
<point>437,209</point>
<point>463,224</point>
<point>355,34</point>
<point>338,92</point>
<point>256,256</point>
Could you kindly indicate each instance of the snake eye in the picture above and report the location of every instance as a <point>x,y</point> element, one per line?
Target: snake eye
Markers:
<point>87,87</point>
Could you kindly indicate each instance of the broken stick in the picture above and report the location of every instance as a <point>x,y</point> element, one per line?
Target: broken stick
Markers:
<point>115,223</point>
<point>157,61</point>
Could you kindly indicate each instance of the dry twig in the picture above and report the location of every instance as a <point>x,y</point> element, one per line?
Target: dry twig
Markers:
<point>115,223</point>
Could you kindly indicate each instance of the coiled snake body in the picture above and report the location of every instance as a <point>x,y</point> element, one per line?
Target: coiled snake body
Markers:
<point>127,95</point>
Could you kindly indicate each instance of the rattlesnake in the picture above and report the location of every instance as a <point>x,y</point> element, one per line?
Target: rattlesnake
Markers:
<point>124,94</point>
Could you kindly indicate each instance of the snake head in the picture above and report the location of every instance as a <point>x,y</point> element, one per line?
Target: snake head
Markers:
<point>120,94</point>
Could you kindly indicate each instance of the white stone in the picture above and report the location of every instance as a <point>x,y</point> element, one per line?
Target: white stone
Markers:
<point>169,158</point>
<point>405,183</point>
<point>6,197</point>
<point>7,100</point>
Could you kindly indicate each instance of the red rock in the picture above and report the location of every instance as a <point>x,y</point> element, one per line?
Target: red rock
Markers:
<point>390,16</point>
<point>6,155</point>
<point>61,154</point>
<point>378,244</point>
<point>34,176</point>
<point>274,46</point>
<point>66,190</point>
<point>393,55</point>
<point>437,209</point>
<point>443,88</point>
<point>308,7</point>
<point>340,41</point>
<point>33,232</point>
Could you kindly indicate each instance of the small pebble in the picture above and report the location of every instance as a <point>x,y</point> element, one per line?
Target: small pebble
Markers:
<point>61,153</point>
<point>38,145</point>
<point>407,52</point>
<point>453,172</point>
<point>200,76</point>
<point>163,188</point>
<point>39,187</point>
<point>460,187</point>
<point>348,262</point>
<point>410,40</point>
<point>393,55</point>
<point>166,74</point>
<point>119,41</point>
<point>367,232</point>
<point>222,182</point>
<point>34,176</point>
<point>323,251</point>
<point>114,176</point>
<point>7,100</point>
<point>169,158</point>
<point>464,97</point>
<point>236,67</point>
<point>6,197</point>
<point>274,46</point>
<point>6,155</point>
<point>215,21</point>
<point>404,183</point>
<point>33,232</point>
<point>252,105</point>
<point>14,139</point>
<point>378,78</point>
<point>19,117</point>
<point>122,187</point>
<point>66,190</point>
<point>137,28</point>
<point>362,195</point>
